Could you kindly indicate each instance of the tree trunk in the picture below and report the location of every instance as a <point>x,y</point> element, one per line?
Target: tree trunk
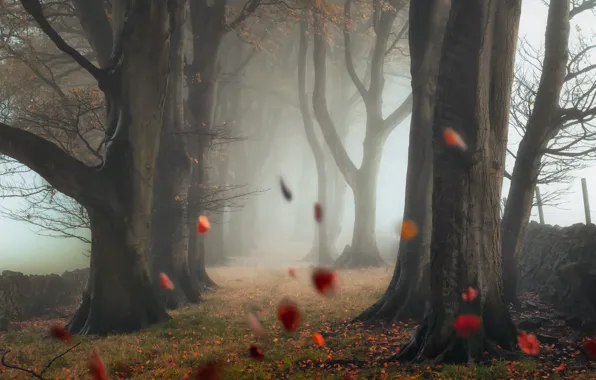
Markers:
<point>472,95</point>
<point>324,248</point>
<point>170,230</point>
<point>542,127</point>
<point>363,250</point>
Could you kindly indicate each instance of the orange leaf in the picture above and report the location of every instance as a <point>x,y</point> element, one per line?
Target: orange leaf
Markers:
<point>528,343</point>
<point>318,338</point>
<point>203,225</point>
<point>453,139</point>
<point>409,230</point>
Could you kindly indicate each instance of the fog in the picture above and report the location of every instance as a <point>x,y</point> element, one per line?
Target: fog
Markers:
<point>283,232</point>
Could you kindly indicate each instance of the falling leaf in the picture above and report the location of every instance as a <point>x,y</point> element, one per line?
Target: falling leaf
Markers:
<point>285,191</point>
<point>97,368</point>
<point>528,343</point>
<point>453,139</point>
<point>325,281</point>
<point>590,347</point>
<point>469,294</point>
<point>60,333</point>
<point>75,90</point>
<point>289,314</point>
<point>256,353</point>
<point>165,281</point>
<point>318,339</point>
<point>211,370</point>
<point>203,225</point>
<point>466,325</point>
<point>255,325</point>
<point>409,230</point>
<point>292,272</point>
<point>318,212</point>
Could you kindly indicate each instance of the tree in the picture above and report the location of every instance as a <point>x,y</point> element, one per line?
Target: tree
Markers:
<point>472,97</point>
<point>118,194</point>
<point>324,245</point>
<point>554,115</point>
<point>363,180</point>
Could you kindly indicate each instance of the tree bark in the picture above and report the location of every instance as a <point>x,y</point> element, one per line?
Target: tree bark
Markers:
<point>170,230</point>
<point>472,96</point>
<point>324,248</point>
<point>542,127</point>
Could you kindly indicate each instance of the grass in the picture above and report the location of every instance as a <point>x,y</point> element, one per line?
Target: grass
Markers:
<point>217,329</point>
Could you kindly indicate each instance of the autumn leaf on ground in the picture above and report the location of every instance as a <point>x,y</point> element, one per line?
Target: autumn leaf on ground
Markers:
<point>289,314</point>
<point>165,281</point>
<point>453,139</point>
<point>528,343</point>
<point>466,325</point>
<point>203,225</point>
<point>59,332</point>
<point>325,281</point>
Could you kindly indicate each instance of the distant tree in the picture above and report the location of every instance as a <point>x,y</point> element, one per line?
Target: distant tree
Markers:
<point>553,109</point>
<point>472,97</point>
<point>363,180</point>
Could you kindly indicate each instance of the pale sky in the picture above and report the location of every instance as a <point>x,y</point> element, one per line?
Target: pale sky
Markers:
<point>23,250</point>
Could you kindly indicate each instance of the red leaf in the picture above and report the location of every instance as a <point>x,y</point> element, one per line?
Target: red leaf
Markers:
<point>289,314</point>
<point>256,353</point>
<point>590,347</point>
<point>211,370</point>
<point>453,139</point>
<point>466,325</point>
<point>165,281</point>
<point>324,280</point>
<point>318,212</point>
<point>203,225</point>
<point>60,333</point>
<point>469,294</point>
<point>528,343</point>
<point>97,368</point>
<point>318,338</point>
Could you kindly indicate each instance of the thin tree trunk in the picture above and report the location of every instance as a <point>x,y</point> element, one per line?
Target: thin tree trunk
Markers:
<point>324,248</point>
<point>543,125</point>
<point>472,96</point>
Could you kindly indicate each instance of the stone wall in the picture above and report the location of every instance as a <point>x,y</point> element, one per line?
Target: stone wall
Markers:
<point>23,297</point>
<point>559,264</point>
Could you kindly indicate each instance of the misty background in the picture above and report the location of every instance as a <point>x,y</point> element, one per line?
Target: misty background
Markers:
<point>24,250</point>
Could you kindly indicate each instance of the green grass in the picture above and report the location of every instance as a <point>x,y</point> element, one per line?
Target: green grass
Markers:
<point>216,329</point>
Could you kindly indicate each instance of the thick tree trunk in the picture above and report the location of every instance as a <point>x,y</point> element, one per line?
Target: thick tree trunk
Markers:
<point>472,95</point>
<point>170,230</point>
<point>543,125</point>
<point>363,250</point>
<point>119,297</point>
<point>324,248</point>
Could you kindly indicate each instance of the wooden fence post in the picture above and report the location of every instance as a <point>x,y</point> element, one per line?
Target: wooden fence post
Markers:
<point>586,201</point>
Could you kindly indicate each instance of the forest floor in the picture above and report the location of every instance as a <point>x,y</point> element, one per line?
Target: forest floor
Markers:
<point>217,329</point>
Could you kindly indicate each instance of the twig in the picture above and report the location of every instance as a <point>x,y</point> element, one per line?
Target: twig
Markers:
<point>31,372</point>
